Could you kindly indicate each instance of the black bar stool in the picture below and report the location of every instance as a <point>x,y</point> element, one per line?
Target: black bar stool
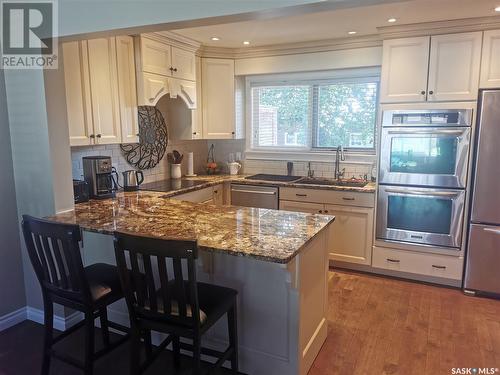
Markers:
<point>55,255</point>
<point>172,304</point>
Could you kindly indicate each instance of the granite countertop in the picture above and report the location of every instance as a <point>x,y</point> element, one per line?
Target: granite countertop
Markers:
<point>182,186</point>
<point>269,235</point>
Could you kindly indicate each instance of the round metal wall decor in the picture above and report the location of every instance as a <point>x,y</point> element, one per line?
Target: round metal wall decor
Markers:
<point>153,139</point>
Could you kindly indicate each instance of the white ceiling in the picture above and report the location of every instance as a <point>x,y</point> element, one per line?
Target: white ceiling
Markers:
<point>337,23</point>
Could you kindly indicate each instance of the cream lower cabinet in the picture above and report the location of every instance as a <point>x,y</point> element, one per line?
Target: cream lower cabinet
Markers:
<point>100,91</point>
<point>209,195</point>
<point>350,236</point>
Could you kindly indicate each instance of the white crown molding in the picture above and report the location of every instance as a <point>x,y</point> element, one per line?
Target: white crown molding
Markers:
<point>439,27</point>
<point>292,48</point>
<point>174,39</point>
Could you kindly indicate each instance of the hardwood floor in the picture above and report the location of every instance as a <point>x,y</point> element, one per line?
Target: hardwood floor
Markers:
<point>387,326</point>
<point>376,326</point>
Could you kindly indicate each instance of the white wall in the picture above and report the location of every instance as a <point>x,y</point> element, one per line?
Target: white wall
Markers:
<point>306,62</point>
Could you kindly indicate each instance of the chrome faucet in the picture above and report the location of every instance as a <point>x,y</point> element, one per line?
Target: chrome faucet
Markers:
<point>310,172</point>
<point>339,156</point>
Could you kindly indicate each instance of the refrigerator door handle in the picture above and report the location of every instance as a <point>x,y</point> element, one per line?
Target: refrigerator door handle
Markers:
<point>492,230</point>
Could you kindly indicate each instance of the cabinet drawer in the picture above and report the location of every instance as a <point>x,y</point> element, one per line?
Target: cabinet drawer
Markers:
<point>344,198</point>
<point>448,267</point>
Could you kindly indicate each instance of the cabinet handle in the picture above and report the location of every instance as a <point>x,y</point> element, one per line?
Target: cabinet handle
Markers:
<point>431,92</point>
<point>326,211</point>
<point>348,199</point>
<point>393,260</point>
<point>175,69</point>
<point>99,135</point>
<point>422,92</point>
<point>92,136</point>
<point>320,211</point>
<point>439,267</point>
<point>300,195</point>
<point>137,135</point>
<point>194,133</point>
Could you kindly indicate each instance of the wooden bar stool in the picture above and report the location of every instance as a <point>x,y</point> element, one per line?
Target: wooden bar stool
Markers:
<point>165,301</point>
<point>55,255</point>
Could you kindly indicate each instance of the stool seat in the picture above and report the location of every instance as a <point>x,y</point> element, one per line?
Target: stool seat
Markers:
<point>104,282</point>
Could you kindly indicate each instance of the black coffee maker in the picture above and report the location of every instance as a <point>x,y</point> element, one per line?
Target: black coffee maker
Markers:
<point>98,174</point>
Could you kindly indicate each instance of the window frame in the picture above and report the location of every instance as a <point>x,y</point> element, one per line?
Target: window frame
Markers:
<point>311,79</point>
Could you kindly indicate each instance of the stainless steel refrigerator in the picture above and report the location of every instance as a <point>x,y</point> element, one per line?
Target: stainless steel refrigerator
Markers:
<point>482,273</point>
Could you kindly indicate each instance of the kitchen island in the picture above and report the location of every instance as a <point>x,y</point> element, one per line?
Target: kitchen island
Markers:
<point>277,260</point>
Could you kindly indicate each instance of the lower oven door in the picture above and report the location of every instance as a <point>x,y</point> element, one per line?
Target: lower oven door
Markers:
<point>420,215</point>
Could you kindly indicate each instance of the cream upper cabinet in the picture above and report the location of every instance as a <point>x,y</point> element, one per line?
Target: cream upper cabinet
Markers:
<point>183,64</point>
<point>155,57</point>
<point>218,98</point>
<point>454,67</point>
<point>404,70</point>
<point>351,234</point>
<point>77,86</point>
<point>490,62</point>
<point>197,114</point>
<point>437,68</point>
<point>127,91</point>
<point>104,90</point>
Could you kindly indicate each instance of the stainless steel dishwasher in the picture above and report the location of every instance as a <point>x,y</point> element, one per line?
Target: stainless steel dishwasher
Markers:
<point>254,196</point>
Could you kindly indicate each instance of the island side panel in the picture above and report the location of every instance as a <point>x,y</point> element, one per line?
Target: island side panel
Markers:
<point>311,268</point>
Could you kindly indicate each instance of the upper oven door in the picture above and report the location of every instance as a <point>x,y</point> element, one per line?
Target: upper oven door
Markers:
<point>424,156</point>
<point>420,215</point>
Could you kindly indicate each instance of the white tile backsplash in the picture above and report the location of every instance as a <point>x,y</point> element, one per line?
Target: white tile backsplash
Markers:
<point>160,172</point>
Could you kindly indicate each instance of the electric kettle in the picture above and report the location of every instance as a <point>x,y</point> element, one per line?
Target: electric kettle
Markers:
<point>132,179</point>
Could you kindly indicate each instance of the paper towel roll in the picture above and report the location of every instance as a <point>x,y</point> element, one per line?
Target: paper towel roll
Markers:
<point>190,165</point>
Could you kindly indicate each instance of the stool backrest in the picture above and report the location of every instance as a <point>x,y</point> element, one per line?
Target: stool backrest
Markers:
<point>54,252</point>
<point>151,291</point>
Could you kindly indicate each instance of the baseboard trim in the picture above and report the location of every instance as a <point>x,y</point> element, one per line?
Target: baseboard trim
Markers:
<point>12,318</point>
<point>60,323</point>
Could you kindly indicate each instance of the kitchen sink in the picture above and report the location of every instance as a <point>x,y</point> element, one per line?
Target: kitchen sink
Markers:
<point>329,182</point>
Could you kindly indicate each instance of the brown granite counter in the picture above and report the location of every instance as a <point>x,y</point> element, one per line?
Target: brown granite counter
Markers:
<point>213,180</point>
<point>270,235</point>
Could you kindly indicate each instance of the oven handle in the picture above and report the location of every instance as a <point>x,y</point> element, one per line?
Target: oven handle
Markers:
<point>438,132</point>
<point>254,192</point>
<point>416,192</point>
<point>491,230</point>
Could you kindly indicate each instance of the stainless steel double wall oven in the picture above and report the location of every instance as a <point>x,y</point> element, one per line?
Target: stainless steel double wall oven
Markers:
<point>424,157</point>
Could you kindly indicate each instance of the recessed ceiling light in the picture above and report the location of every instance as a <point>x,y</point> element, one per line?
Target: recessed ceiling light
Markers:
<point>214,38</point>
<point>391,20</point>
<point>352,32</point>
<point>246,42</point>
<point>497,9</point>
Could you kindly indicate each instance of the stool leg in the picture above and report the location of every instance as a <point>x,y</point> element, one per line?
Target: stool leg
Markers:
<point>233,336</point>
<point>148,344</point>
<point>89,343</point>
<point>197,354</point>
<point>48,317</point>
<point>103,317</point>
<point>135,355</point>
<point>177,352</point>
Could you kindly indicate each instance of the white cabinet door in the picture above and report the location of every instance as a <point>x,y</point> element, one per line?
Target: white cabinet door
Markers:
<point>404,70</point>
<point>490,62</point>
<point>314,208</point>
<point>218,98</point>
<point>155,57</point>
<point>127,91</point>
<point>351,234</point>
<point>104,90</point>
<point>197,114</point>
<point>454,67</point>
<point>183,64</point>
<point>218,195</point>
<point>78,103</point>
